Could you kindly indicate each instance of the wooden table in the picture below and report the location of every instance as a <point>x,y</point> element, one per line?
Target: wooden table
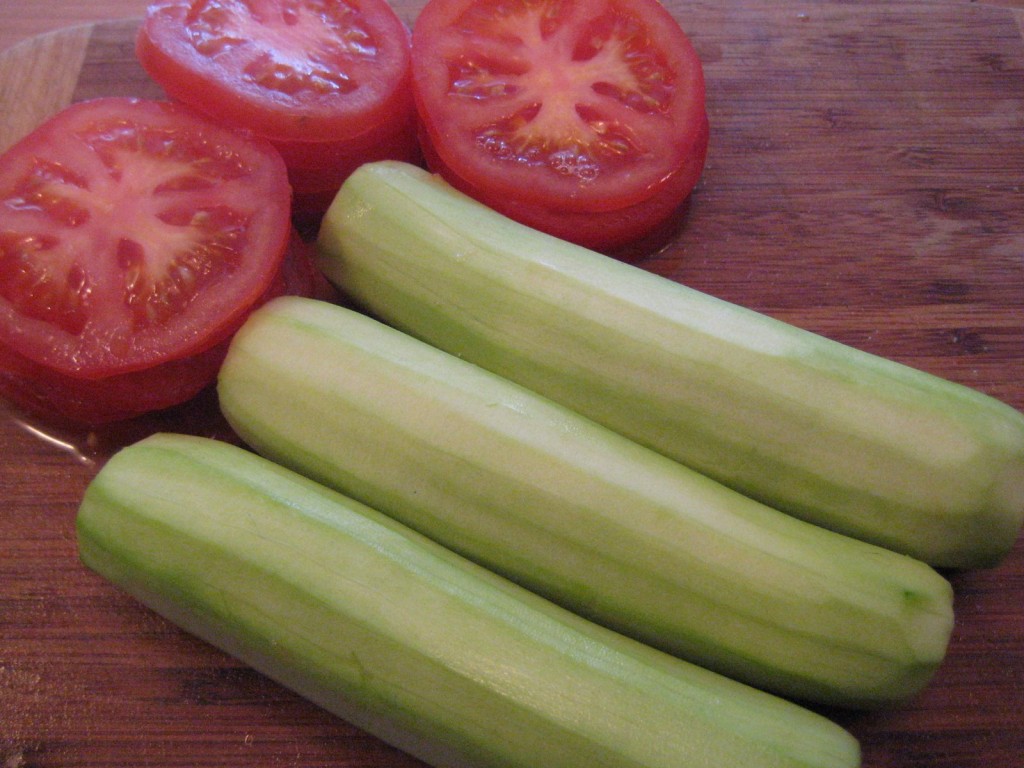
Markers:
<point>865,180</point>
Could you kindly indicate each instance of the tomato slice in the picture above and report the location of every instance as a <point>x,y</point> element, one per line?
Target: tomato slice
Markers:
<point>57,397</point>
<point>133,233</point>
<point>566,105</point>
<point>628,233</point>
<point>286,69</point>
<point>326,81</point>
<point>318,169</point>
<point>44,393</point>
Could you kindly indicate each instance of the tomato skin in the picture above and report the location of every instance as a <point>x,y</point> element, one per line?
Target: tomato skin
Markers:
<point>336,94</point>
<point>135,238</point>
<point>582,118</point>
<point>317,170</point>
<point>55,397</point>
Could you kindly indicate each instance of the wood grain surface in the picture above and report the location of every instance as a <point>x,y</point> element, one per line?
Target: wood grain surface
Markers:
<point>865,181</point>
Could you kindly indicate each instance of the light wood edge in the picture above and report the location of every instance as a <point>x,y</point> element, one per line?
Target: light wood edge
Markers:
<point>38,77</point>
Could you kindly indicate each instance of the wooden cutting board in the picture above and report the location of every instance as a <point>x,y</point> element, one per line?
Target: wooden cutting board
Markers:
<point>865,180</point>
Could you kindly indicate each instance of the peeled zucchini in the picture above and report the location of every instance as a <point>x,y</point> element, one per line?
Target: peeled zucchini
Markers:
<point>825,432</point>
<point>405,639</point>
<point>578,513</point>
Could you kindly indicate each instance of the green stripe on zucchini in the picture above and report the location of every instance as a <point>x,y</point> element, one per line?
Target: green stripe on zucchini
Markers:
<point>578,513</point>
<point>402,637</point>
<point>831,434</point>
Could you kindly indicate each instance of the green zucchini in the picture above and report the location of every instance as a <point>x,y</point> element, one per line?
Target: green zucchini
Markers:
<point>406,639</point>
<point>579,514</point>
<point>834,435</point>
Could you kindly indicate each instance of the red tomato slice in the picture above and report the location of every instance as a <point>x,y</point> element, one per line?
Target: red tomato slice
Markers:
<point>326,81</point>
<point>133,234</point>
<point>45,393</point>
<point>317,170</point>
<point>627,233</point>
<point>42,391</point>
<point>317,165</point>
<point>306,70</point>
<point>565,105</point>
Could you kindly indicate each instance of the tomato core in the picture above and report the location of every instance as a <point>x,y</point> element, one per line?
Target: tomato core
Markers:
<point>566,118</point>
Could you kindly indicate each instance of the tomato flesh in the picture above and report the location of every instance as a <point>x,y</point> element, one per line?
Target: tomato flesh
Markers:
<point>286,69</point>
<point>629,232</point>
<point>44,392</point>
<point>326,81</point>
<point>563,106</point>
<point>133,233</point>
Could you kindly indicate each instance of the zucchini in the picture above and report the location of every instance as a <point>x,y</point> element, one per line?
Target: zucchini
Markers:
<point>833,435</point>
<point>579,514</point>
<point>406,639</point>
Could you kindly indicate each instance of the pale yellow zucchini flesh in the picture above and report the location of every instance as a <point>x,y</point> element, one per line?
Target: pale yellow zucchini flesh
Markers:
<point>823,431</point>
<point>406,639</point>
<point>580,514</point>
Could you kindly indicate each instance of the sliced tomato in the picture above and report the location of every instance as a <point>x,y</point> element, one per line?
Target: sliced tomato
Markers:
<point>40,390</point>
<point>318,169</point>
<point>553,110</point>
<point>299,274</point>
<point>628,233</point>
<point>326,81</point>
<point>43,392</point>
<point>135,237</point>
